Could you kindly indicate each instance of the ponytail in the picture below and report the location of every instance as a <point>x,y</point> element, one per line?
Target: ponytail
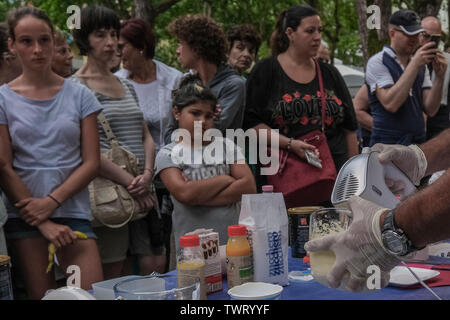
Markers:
<point>291,18</point>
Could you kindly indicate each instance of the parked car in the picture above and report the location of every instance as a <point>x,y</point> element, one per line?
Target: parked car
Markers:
<point>353,78</point>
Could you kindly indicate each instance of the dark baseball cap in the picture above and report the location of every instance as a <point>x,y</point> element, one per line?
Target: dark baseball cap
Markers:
<point>407,20</point>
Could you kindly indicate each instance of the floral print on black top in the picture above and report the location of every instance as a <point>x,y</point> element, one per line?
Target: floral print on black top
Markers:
<point>295,108</point>
<point>305,109</point>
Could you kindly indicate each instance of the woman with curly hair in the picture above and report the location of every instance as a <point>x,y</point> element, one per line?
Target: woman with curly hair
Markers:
<point>244,42</point>
<point>202,48</point>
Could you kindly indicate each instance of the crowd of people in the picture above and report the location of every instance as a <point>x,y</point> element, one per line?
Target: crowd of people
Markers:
<point>52,145</point>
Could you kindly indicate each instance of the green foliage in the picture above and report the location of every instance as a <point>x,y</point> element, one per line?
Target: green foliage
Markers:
<point>263,15</point>
<point>341,26</point>
<point>57,10</point>
<point>341,30</point>
<point>5,6</point>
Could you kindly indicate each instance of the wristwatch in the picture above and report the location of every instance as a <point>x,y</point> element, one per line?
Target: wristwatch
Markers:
<point>394,239</point>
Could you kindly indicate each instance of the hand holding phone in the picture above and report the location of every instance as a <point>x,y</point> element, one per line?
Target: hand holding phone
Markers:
<point>313,159</point>
<point>436,38</point>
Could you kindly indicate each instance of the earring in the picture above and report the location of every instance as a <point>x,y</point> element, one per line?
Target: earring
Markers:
<point>141,52</point>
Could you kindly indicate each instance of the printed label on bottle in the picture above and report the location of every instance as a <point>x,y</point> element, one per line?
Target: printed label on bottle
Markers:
<point>239,270</point>
<point>192,269</point>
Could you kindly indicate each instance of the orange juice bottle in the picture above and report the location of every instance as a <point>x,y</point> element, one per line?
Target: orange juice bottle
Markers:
<point>239,258</point>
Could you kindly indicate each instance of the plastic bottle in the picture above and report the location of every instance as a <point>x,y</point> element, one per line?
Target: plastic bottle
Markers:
<point>190,261</point>
<point>267,189</point>
<point>239,258</point>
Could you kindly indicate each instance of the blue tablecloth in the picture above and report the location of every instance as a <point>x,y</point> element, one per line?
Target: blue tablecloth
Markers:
<point>312,290</point>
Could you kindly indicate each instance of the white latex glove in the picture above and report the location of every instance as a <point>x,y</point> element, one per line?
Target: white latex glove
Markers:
<point>409,159</point>
<point>357,248</point>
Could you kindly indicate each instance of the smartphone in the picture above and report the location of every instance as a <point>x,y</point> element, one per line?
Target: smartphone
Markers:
<point>436,39</point>
<point>313,159</point>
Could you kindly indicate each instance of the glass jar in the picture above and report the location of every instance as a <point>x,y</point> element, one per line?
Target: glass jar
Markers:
<point>190,261</point>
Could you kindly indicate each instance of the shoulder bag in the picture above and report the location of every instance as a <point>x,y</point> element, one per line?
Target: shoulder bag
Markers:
<point>111,203</point>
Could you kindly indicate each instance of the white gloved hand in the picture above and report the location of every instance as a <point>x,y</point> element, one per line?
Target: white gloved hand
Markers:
<point>357,248</point>
<point>409,159</point>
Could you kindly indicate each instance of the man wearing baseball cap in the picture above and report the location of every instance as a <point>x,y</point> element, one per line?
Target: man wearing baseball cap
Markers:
<point>400,88</point>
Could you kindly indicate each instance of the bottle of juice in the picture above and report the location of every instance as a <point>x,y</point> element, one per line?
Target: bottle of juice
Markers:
<point>190,261</point>
<point>239,258</point>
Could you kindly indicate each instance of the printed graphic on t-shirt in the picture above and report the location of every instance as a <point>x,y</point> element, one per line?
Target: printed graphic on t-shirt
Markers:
<point>201,171</point>
<point>305,109</point>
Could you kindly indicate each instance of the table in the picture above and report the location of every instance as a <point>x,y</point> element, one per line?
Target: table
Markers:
<point>312,290</point>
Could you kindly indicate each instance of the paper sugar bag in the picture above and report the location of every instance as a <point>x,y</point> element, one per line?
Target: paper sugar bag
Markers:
<point>266,219</point>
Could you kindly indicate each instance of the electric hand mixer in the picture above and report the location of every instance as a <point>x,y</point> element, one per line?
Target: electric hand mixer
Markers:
<point>363,175</point>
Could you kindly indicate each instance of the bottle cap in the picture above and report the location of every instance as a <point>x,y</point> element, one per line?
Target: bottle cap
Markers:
<point>237,230</point>
<point>267,188</point>
<point>190,241</point>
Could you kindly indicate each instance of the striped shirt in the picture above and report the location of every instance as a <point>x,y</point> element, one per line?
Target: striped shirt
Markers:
<point>126,121</point>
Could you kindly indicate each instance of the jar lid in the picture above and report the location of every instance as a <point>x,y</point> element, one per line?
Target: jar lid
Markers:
<point>303,210</point>
<point>237,230</point>
<point>190,241</point>
<point>267,188</point>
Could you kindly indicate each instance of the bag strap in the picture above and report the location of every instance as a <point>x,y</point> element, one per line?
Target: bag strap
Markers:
<point>115,226</point>
<point>322,94</point>
<point>107,128</point>
<point>96,216</point>
<point>103,121</point>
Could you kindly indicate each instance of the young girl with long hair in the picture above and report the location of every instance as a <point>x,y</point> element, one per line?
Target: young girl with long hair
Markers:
<point>49,152</point>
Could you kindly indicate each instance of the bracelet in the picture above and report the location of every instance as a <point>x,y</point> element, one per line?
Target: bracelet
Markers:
<point>288,147</point>
<point>150,170</point>
<point>51,197</point>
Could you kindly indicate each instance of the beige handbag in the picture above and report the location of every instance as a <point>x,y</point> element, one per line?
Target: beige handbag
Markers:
<point>111,203</point>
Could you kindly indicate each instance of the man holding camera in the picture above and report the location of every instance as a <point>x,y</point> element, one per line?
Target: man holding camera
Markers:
<point>400,87</point>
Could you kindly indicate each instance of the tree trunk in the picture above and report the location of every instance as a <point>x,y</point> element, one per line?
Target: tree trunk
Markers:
<point>386,11</point>
<point>427,7</point>
<point>207,10</point>
<point>447,32</point>
<point>142,10</point>
<point>334,37</point>
<point>361,13</point>
<point>146,10</point>
<point>376,40</point>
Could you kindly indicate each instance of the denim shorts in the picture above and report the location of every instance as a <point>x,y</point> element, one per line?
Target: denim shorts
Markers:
<point>16,228</point>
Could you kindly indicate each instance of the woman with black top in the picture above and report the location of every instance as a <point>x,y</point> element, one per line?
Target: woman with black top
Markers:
<point>283,90</point>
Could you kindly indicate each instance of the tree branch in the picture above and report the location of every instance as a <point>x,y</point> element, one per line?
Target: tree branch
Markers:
<point>165,5</point>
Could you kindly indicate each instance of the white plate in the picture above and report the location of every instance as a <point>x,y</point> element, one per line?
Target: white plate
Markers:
<point>68,293</point>
<point>256,291</point>
<point>402,277</point>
